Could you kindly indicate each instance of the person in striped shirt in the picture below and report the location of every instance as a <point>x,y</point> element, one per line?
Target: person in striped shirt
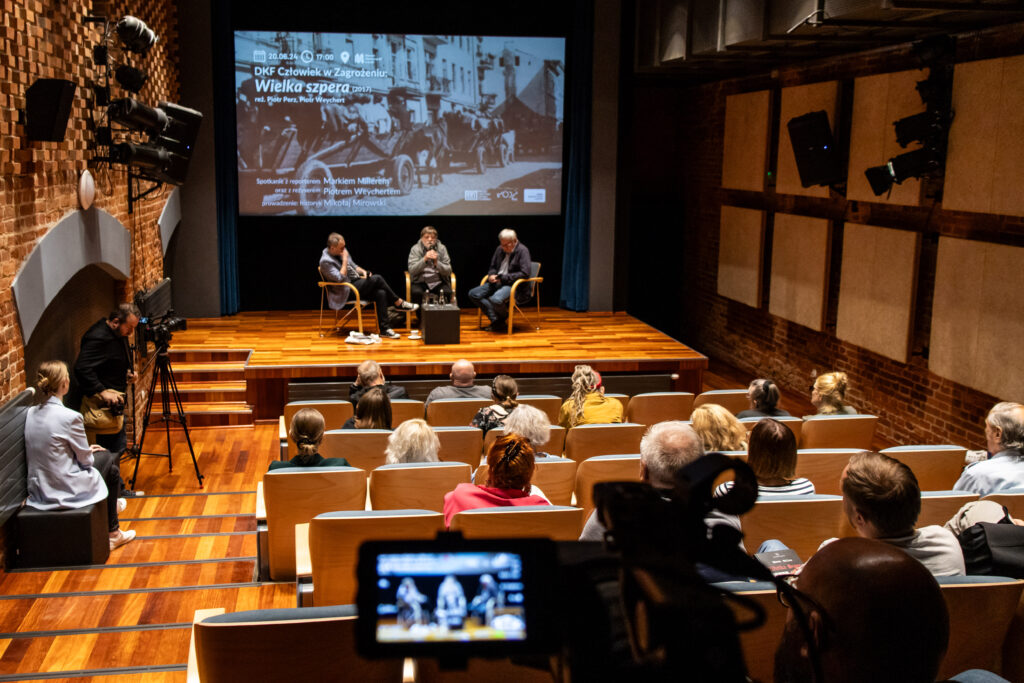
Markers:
<point>771,453</point>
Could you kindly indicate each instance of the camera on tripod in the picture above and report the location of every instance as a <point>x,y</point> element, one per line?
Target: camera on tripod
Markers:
<point>158,321</point>
<point>160,330</point>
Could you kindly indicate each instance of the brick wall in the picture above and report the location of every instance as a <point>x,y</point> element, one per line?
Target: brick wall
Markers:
<point>674,186</point>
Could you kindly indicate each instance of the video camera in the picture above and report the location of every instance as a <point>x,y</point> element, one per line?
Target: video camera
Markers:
<point>160,330</point>
<point>158,321</point>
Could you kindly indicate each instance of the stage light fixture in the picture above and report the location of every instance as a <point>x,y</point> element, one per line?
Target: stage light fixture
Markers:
<point>913,164</point>
<point>137,116</point>
<point>140,155</point>
<point>135,35</point>
<point>919,127</point>
<point>130,78</point>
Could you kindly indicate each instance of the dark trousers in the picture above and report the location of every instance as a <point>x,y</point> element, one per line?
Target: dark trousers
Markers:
<point>376,289</point>
<point>419,289</point>
<point>106,464</point>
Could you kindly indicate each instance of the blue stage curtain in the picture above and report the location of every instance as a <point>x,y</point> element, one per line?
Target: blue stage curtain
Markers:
<point>575,293</point>
<point>227,165</point>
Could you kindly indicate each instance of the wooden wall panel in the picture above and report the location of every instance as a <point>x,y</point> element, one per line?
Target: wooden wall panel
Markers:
<point>878,101</point>
<point>745,153</point>
<point>740,250</point>
<point>800,259</point>
<point>797,101</point>
<point>876,294</point>
<point>985,161</point>
<point>978,316</point>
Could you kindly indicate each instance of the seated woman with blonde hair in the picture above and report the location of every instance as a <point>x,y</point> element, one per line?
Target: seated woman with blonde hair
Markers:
<point>412,441</point>
<point>373,411</point>
<point>64,471</point>
<point>718,428</point>
<point>510,465</point>
<point>307,432</point>
<point>772,455</point>
<point>587,403</point>
<point>828,394</point>
<point>531,423</point>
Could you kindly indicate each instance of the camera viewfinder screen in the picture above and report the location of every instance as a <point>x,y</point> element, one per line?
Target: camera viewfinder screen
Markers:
<point>453,597</point>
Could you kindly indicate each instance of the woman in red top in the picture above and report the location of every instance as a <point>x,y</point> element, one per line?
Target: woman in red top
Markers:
<point>509,471</point>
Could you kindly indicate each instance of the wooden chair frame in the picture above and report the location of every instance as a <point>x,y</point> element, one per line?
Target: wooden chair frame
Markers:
<point>408,294</point>
<point>513,305</point>
<point>354,303</point>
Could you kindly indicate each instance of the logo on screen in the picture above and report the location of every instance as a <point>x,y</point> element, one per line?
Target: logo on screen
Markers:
<point>511,195</point>
<point>534,196</point>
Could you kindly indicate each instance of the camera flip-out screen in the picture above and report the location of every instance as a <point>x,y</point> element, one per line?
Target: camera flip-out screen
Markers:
<point>432,597</point>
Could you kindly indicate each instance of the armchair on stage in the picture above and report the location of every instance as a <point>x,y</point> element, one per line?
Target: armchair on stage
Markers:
<point>352,305</point>
<point>532,283</point>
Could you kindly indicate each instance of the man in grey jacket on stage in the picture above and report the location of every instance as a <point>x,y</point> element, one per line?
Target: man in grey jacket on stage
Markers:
<point>430,267</point>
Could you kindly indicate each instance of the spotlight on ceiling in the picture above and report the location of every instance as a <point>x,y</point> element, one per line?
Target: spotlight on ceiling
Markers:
<point>920,127</point>
<point>137,116</point>
<point>913,164</point>
<point>130,78</point>
<point>140,156</point>
<point>135,35</point>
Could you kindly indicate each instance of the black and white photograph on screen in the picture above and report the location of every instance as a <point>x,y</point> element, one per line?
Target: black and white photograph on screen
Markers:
<point>359,124</point>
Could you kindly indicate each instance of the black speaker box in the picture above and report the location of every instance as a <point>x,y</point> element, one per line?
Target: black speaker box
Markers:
<point>47,108</point>
<point>817,158</point>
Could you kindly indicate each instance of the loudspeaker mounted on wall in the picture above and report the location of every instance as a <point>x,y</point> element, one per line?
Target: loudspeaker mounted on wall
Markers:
<point>817,159</point>
<point>47,108</point>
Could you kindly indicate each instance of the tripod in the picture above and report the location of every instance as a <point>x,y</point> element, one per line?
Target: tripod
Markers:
<point>168,390</point>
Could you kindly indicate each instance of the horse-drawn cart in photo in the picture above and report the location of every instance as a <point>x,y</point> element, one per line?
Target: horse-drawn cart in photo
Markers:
<point>478,141</point>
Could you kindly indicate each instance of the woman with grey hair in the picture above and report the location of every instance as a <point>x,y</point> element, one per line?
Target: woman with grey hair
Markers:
<point>412,441</point>
<point>530,423</point>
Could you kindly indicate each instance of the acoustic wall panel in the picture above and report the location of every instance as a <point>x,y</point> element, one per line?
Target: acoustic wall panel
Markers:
<point>985,159</point>
<point>800,260</point>
<point>740,249</point>
<point>978,316</point>
<point>797,101</point>
<point>745,151</point>
<point>876,291</point>
<point>879,101</point>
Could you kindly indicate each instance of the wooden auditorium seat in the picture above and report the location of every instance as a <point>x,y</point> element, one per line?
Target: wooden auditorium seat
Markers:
<point>460,444</point>
<point>1011,499</point>
<point>838,431</point>
<point>363,448</point>
<point>557,522</point>
<point>555,476</point>
<point>294,495</point>
<point>306,644</point>
<point>603,468</point>
<point>415,485</point>
<point>824,466</point>
<point>733,400</point>
<point>554,446</point>
<point>936,467</point>
<point>938,507</point>
<point>759,645</point>
<point>549,404</point>
<point>621,398</point>
<point>335,413</point>
<point>795,424</point>
<point>454,412</point>
<point>586,441</point>
<point>801,522</point>
<point>660,406</point>
<point>403,409</point>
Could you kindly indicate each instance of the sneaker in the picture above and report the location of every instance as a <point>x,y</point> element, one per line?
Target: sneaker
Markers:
<point>407,306</point>
<point>121,504</point>
<point>390,333</point>
<point>121,537</point>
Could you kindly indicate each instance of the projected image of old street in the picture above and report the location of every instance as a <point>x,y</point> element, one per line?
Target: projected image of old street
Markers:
<point>376,124</point>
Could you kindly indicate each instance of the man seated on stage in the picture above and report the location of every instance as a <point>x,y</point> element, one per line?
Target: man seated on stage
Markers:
<point>1004,435</point>
<point>462,385</point>
<point>337,266</point>
<point>430,267</point>
<point>369,375</point>
<point>511,262</point>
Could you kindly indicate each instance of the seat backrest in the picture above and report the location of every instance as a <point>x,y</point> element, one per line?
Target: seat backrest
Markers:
<point>733,400</point>
<point>603,468</point>
<point>1012,500</point>
<point>759,644</point>
<point>980,611</point>
<point>363,448</point>
<point>586,441</point>
<point>936,467</point>
<point>454,412</point>
<point>555,476</point>
<point>335,414</point>
<point>838,431</point>
<point>823,466</point>
<point>460,444</point>
<point>298,644</point>
<point>795,424</point>
<point>554,446</point>
<point>534,272</point>
<point>403,409</point>
<point>557,522</point>
<point>295,495</point>
<point>652,408</point>
<point>621,398</point>
<point>418,485</point>
<point>549,404</point>
<point>801,522</point>
<point>938,507</point>
<point>335,537</point>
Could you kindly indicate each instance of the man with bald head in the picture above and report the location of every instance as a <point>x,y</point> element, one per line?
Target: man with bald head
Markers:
<point>463,373</point>
<point>875,614</point>
<point>1004,436</point>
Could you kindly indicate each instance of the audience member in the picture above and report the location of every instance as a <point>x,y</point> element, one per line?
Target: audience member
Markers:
<point>412,441</point>
<point>532,424</point>
<point>883,501</point>
<point>64,471</point>
<point>510,262</point>
<point>306,432</point>
<point>1004,436</point>
<point>462,386</point>
<point>510,465</point>
<point>874,615</point>
<point>719,428</point>
<point>772,455</point>
<point>369,375</point>
<point>430,267</point>
<point>337,266</point>
<point>504,392</point>
<point>828,394</point>
<point>587,404</point>
<point>372,412</point>
<point>764,396</point>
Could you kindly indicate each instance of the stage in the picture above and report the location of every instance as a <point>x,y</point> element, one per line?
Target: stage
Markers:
<point>270,349</point>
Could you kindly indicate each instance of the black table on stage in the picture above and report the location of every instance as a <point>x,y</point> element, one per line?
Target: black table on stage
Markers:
<point>440,323</point>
